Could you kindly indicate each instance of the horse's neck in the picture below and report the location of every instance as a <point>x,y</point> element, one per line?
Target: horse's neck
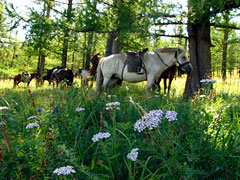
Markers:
<point>166,58</point>
<point>93,69</point>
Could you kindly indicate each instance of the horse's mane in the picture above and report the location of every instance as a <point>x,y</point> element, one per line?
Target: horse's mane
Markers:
<point>169,50</point>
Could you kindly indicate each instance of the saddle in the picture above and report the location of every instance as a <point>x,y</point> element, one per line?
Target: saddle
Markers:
<point>134,61</point>
<point>54,75</point>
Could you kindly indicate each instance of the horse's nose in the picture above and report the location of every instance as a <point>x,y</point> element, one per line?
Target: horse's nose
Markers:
<point>188,68</point>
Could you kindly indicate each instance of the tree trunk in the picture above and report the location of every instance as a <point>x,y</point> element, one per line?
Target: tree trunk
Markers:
<point>41,65</point>
<point>224,55</point>
<point>42,56</point>
<point>109,45</point>
<point>73,61</point>
<point>66,35</point>
<point>89,50</point>
<point>116,46</point>
<point>84,50</point>
<point>200,57</point>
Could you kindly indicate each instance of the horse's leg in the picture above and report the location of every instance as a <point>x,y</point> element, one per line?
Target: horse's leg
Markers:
<point>170,82</point>
<point>157,83</point>
<point>28,82</point>
<point>91,85</point>
<point>150,81</point>
<point>105,82</point>
<point>165,85</point>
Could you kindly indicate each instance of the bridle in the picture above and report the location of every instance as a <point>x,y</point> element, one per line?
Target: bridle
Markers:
<point>179,64</point>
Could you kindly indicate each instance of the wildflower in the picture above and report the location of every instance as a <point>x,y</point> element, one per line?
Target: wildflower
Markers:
<point>110,96</point>
<point>80,109</point>
<point>39,110</point>
<point>0,124</point>
<point>3,107</point>
<point>99,136</point>
<point>208,81</point>
<point>65,170</point>
<point>32,125</point>
<point>49,90</point>
<point>202,96</point>
<point>133,154</point>
<point>31,117</point>
<point>171,115</point>
<point>113,105</point>
<point>149,120</point>
<point>54,110</point>
<point>84,131</point>
<point>33,92</point>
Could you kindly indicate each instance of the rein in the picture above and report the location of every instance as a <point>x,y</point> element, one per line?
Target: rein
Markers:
<point>161,59</point>
<point>179,65</point>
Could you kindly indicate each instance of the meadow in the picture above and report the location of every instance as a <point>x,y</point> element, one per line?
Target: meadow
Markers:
<point>73,133</point>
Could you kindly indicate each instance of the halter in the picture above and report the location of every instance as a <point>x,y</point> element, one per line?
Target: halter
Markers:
<point>179,65</point>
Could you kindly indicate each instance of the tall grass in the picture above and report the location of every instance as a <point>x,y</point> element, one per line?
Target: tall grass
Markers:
<point>203,143</point>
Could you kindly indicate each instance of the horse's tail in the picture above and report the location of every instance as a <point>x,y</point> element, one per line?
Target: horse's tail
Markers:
<point>99,79</point>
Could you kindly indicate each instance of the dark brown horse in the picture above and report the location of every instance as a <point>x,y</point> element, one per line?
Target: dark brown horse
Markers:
<point>59,74</point>
<point>86,74</point>
<point>166,75</point>
<point>25,78</point>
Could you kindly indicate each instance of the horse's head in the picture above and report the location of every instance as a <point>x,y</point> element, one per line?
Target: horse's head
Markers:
<point>182,61</point>
<point>78,72</point>
<point>49,73</point>
<point>95,58</point>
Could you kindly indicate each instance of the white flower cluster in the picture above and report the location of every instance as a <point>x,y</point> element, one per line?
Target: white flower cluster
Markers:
<point>31,117</point>
<point>171,115</point>
<point>64,170</point>
<point>80,109</point>
<point>32,125</point>
<point>113,105</point>
<point>133,154</point>
<point>208,81</point>
<point>149,120</point>
<point>99,136</point>
<point>112,96</point>
<point>3,107</point>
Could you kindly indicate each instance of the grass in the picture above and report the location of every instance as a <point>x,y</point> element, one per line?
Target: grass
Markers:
<point>203,143</point>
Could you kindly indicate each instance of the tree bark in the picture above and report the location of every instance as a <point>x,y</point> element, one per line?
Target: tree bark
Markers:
<point>89,50</point>
<point>200,56</point>
<point>224,55</point>
<point>66,35</point>
<point>42,56</point>
<point>41,65</point>
<point>116,46</point>
<point>109,45</point>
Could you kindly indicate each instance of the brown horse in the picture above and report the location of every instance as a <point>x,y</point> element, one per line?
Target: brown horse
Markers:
<point>166,75</point>
<point>25,78</point>
<point>86,74</point>
<point>59,74</point>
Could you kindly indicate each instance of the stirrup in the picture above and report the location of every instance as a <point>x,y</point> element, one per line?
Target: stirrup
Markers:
<point>140,70</point>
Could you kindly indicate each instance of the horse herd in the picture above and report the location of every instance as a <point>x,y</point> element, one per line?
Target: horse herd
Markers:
<point>110,71</point>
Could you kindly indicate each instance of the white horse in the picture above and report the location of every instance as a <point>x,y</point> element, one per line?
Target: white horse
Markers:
<point>83,75</point>
<point>155,64</point>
